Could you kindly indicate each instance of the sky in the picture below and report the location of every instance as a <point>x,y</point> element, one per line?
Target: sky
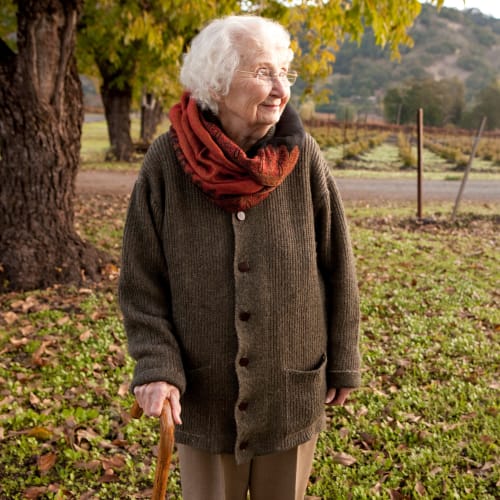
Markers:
<point>488,7</point>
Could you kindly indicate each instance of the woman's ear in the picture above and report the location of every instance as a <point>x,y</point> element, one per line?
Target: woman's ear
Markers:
<point>214,95</point>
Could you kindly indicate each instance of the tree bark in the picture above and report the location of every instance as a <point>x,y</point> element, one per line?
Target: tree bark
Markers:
<point>117,106</point>
<point>41,115</point>
<point>151,115</point>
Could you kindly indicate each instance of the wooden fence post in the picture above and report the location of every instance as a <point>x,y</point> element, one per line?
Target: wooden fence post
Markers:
<point>468,167</point>
<point>420,142</point>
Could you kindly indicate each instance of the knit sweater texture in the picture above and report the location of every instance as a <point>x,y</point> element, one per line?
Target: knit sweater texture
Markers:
<point>251,315</point>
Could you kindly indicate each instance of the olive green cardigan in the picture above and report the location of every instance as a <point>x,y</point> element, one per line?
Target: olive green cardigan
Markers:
<point>251,315</point>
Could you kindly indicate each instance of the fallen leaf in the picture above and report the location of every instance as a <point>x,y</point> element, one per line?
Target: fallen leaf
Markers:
<point>63,321</point>
<point>46,462</point>
<point>420,489</point>
<point>34,491</point>
<point>18,342</point>
<point>123,389</point>
<point>85,335</point>
<point>92,465</point>
<point>35,400</point>
<point>116,462</point>
<point>395,495</point>
<point>10,317</point>
<point>86,435</point>
<point>36,358</point>
<point>344,459</point>
<point>110,270</point>
<point>109,476</point>
<point>488,466</point>
<point>344,433</point>
<point>39,433</point>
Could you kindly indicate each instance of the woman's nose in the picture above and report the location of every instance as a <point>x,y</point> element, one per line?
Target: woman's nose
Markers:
<point>280,87</point>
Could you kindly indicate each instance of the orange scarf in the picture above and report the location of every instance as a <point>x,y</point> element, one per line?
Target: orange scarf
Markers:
<point>221,169</point>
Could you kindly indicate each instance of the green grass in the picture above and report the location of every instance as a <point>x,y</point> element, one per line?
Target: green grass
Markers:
<point>425,423</point>
<point>95,146</point>
<point>383,162</point>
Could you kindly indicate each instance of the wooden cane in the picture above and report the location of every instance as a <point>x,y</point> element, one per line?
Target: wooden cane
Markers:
<point>164,450</point>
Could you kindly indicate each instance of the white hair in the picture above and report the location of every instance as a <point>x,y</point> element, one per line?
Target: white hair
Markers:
<point>216,52</point>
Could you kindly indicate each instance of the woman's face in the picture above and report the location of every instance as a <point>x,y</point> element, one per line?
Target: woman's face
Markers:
<point>253,106</point>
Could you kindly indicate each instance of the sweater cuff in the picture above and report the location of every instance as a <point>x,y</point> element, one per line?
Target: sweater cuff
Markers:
<point>340,379</point>
<point>147,376</point>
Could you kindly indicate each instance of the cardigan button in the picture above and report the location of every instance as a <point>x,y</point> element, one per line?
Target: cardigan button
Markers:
<point>243,267</point>
<point>243,406</point>
<point>243,445</point>
<point>241,216</point>
<point>244,316</point>
<point>244,361</point>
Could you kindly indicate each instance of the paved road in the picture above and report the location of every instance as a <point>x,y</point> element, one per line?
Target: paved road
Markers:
<point>403,189</point>
<point>101,182</point>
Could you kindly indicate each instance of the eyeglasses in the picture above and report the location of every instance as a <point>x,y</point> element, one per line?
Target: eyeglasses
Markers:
<point>266,75</point>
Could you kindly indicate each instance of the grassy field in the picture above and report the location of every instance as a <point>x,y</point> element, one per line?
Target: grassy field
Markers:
<point>425,423</point>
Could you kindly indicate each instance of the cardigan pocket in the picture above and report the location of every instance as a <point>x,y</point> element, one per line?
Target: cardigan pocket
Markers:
<point>305,396</point>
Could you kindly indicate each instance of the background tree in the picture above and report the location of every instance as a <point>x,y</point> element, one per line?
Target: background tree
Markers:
<point>442,102</point>
<point>135,46</point>
<point>487,104</point>
<point>40,127</point>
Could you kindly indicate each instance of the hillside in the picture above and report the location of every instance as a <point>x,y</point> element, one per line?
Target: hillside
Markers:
<point>448,44</point>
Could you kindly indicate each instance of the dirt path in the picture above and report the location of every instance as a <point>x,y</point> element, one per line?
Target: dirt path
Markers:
<point>376,190</point>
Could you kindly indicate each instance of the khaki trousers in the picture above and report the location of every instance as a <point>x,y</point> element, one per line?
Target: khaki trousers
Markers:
<point>278,476</point>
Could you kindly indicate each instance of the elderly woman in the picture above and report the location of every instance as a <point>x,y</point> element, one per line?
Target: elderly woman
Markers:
<point>238,284</point>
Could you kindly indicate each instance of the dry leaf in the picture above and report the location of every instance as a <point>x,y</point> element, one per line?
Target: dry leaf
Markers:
<point>92,465</point>
<point>395,495</point>
<point>85,335</point>
<point>46,462</point>
<point>34,492</point>
<point>123,389</point>
<point>344,459</point>
<point>344,433</point>
<point>36,358</point>
<point>116,462</point>
<point>62,321</point>
<point>27,329</point>
<point>86,434</point>
<point>110,270</point>
<point>18,342</point>
<point>39,433</point>
<point>109,476</point>
<point>34,399</point>
<point>420,489</point>
<point>9,317</point>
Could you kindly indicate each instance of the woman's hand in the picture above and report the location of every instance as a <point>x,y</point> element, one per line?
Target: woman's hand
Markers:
<point>337,396</point>
<point>151,397</point>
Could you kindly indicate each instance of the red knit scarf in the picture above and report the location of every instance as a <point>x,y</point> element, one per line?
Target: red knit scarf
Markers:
<point>221,169</point>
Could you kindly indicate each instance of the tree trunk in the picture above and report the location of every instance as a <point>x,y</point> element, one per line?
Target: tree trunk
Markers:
<point>41,115</point>
<point>151,115</point>
<point>117,106</point>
